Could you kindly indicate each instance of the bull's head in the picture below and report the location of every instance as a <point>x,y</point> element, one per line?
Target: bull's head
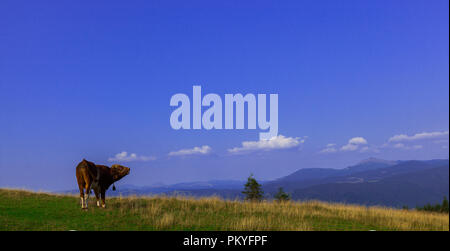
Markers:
<point>118,171</point>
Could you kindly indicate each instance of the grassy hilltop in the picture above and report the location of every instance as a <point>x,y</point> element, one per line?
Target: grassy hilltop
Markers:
<point>22,210</point>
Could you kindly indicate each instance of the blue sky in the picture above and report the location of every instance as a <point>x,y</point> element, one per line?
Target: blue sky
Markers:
<point>84,80</point>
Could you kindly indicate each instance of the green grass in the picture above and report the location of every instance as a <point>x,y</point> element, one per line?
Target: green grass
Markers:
<point>22,210</point>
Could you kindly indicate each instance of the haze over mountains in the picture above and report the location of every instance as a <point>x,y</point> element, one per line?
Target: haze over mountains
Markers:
<point>370,182</point>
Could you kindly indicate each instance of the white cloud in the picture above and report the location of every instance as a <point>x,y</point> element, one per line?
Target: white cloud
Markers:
<point>418,136</point>
<point>407,147</point>
<point>203,150</point>
<point>349,147</point>
<point>125,157</point>
<point>405,142</point>
<point>357,141</point>
<point>278,142</point>
<point>401,142</point>
<point>354,143</point>
<point>329,149</point>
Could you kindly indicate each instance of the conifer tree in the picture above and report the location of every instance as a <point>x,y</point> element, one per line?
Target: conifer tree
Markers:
<point>282,196</point>
<point>252,190</point>
<point>444,207</point>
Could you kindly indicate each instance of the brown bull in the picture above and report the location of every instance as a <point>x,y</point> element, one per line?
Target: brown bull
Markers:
<point>99,178</point>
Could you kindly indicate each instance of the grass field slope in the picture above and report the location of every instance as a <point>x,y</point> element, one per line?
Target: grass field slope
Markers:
<point>23,210</point>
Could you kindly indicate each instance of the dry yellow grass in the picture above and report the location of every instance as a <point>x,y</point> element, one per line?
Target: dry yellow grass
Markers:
<point>218,214</point>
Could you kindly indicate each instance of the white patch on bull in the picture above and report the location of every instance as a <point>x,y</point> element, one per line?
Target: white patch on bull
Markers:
<point>98,203</point>
<point>82,202</point>
<point>86,198</point>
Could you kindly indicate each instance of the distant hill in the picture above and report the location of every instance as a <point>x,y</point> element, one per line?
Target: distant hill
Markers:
<point>411,183</point>
<point>413,189</point>
<point>313,176</point>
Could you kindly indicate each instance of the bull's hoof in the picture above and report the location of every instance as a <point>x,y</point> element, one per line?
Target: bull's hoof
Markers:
<point>84,208</point>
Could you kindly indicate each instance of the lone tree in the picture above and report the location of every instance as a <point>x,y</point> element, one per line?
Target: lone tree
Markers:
<point>252,190</point>
<point>282,196</point>
<point>444,207</point>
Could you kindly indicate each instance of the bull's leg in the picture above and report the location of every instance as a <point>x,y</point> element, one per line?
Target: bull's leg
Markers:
<point>97,196</point>
<point>81,195</point>
<point>103,198</point>
<point>82,201</point>
<point>86,195</point>
<point>86,198</point>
